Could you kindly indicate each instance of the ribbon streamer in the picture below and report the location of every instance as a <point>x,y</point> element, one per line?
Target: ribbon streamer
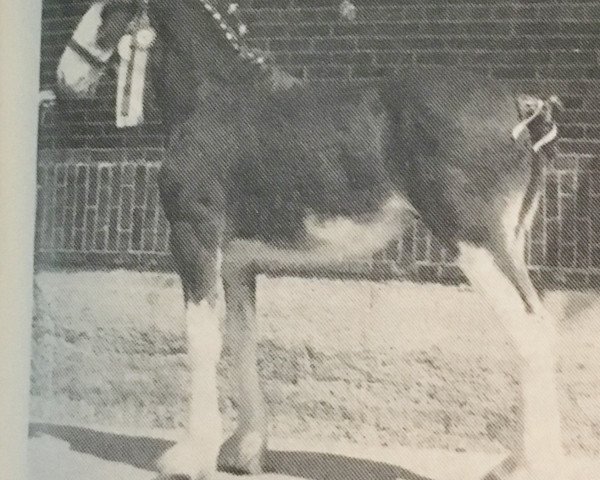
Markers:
<point>538,105</point>
<point>546,139</point>
<point>133,50</point>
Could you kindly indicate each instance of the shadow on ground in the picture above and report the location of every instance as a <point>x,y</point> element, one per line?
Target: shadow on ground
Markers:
<point>141,452</point>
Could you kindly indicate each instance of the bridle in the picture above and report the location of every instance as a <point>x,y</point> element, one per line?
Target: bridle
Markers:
<point>86,55</point>
<point>133,51</point>
<point>233,36</point>
<point>93,59</point>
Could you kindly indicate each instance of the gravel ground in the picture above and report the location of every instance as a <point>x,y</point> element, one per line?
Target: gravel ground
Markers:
<point>354,361</point>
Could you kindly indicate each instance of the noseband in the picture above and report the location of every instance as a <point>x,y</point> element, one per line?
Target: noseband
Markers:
<point>86,55</point>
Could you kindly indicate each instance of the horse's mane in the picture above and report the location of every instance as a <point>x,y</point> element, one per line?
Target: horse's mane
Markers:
<point>193,50</point>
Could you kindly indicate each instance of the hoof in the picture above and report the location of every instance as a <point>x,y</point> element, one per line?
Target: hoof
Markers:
<point>186,460</point>
<point>243,453</point>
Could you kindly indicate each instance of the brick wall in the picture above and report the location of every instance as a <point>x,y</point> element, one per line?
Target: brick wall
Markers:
<point>99,207</point>
<point>516,41</point>
<point>530,43</point>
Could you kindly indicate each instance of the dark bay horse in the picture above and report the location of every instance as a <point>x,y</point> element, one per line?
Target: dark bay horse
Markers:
<point>354,160</point>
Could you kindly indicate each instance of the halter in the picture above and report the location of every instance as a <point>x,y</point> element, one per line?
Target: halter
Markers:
<point>133,50</point>
<point>234,38</point>
<point>86,55</point>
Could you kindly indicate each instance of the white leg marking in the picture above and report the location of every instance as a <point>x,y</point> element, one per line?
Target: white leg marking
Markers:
<point>73,71</point>
<point>535,337</point>
<point>204,340</point>
<point>481,269</point>
<point>243,451</point>
<point>196,455</point>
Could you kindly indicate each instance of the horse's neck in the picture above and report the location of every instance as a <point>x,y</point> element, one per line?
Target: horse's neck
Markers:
<point>182,88</point>
<point>245,76</point>
<point>255,84</point>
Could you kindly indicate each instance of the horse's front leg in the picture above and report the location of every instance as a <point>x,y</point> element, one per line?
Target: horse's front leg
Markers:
<point>195,246</point>
<point>244,451</point>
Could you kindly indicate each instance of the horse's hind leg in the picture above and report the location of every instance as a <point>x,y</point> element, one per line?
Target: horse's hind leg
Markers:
<point>244,451</point>
<point>195,244</point>
<point>501,276</point>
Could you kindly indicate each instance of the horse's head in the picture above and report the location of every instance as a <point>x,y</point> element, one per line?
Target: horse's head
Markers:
<point>201,36</point>
<point>92,45</point>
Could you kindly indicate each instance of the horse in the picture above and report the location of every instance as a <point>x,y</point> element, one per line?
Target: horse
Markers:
<point>352,162</point>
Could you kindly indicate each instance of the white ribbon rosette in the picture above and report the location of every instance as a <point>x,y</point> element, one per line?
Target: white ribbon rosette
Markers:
<point>133,51</point>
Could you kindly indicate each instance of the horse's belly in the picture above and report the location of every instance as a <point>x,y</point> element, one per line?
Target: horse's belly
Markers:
<point>328,241</point>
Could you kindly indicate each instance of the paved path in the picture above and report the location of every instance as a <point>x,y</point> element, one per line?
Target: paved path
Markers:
<point>76,453</point>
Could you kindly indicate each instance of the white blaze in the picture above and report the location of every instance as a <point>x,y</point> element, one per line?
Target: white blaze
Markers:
<point>74,72</point>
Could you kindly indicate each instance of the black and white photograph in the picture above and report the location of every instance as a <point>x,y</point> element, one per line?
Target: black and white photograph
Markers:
<point>316,239</point>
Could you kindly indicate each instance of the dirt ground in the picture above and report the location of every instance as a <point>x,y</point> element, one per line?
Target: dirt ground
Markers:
<point>369,363</point>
